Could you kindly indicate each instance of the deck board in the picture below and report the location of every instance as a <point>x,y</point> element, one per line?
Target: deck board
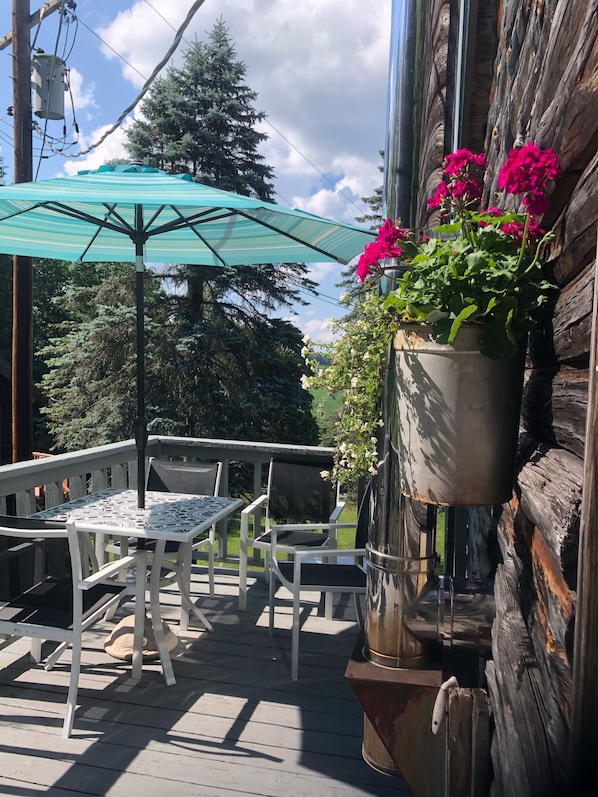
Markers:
<point>233,724</point>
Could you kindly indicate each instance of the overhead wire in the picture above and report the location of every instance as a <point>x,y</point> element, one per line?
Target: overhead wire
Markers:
<point>179,34</point>
<point>147,85</point>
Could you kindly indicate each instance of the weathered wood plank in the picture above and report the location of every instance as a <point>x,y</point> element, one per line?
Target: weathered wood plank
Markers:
<point>529,745</point>
<point>554,407</point>
<point>585,704</point>
<point>550,482</point>
<point>234,723</point>
<point>574,247</point>
<point>573,317</point>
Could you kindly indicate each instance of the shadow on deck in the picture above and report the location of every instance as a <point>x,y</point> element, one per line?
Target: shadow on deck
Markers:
<point>233,724</point>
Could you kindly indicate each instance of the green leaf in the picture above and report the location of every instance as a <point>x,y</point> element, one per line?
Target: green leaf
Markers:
<point>464,315</point>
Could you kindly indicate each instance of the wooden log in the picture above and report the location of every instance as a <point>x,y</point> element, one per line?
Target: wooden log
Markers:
<point>575,230</point>
<point>550,482</point>
<point>483,41</point>
<point>431,138</point>
<point>554,407</point>
<point>545,84</point>
<point>569,408</point>
<point>573,317</point>
<point>567,86</point>
<point>530,740</point>
<point>584,746</point>
<point>467,742</point>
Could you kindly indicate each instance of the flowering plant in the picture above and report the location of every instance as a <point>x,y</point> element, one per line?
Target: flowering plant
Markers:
<point>351,369</point>
<point>480,266</point>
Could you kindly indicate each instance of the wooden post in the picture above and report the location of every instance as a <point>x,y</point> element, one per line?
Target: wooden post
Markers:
<point>584,709</point>
<point>22,286</point>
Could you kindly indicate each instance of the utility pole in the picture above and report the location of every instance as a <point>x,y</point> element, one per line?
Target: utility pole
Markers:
<point>22,305</point>
<point>22,283</point>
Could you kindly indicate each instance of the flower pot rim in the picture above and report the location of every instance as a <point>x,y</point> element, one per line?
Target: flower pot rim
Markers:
<point>419,337</point>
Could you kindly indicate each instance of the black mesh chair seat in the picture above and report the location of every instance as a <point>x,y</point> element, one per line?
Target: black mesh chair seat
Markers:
<point>294,538</point>
<point>51,603</point>
<point>323,576</point>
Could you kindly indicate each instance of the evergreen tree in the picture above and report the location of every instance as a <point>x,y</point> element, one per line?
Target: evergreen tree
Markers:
<point>218,361</point>
<point>200,119</point>
<point>91,357</point>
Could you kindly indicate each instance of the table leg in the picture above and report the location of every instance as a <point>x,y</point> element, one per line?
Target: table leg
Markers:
<point>183,577</point>
<point>157,616</point>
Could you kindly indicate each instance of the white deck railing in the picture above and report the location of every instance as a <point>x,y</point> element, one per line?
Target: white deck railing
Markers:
<point>29,486</point>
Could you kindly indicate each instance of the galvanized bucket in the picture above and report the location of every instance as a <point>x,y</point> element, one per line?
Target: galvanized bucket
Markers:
<point>458,418</point>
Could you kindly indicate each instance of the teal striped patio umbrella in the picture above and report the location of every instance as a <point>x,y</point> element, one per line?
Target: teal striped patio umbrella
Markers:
<point>139,214</point>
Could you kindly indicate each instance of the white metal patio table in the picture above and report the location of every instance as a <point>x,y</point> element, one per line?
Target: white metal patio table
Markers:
<point>166,517</point>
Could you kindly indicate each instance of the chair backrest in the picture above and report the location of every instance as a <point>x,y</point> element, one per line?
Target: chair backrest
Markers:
<point>298,493</point>
<point>193,478</point>
<point>30,550</point>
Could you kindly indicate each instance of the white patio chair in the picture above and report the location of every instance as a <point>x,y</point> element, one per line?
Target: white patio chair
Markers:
<point>51,589</point>
<point>323,573</point>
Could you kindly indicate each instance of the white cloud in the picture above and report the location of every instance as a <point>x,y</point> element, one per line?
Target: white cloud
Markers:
<point>318,329</point>
<point>320,71</point>
<point>83,95</point>
<point>112,147</point>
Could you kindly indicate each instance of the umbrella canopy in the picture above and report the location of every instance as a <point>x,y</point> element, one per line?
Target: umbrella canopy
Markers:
<point>94,215</point>
<point>138,214</point>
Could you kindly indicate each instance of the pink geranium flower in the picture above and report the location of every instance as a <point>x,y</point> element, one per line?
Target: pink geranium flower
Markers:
<point>528,170</point>
<point>459,161</point>
<point>481,266</point>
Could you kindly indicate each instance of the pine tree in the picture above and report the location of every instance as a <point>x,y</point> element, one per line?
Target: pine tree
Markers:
<point>200,119</point>
<point>219,363</point>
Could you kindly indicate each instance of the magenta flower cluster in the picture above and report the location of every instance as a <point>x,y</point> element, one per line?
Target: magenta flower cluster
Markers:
<point>528,171</point>
<point>385,246</point>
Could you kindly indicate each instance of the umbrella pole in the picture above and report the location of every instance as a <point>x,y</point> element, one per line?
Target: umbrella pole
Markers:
<point>140,422</point>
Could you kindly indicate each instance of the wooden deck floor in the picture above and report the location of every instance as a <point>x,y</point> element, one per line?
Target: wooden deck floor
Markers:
<point>233,724</point>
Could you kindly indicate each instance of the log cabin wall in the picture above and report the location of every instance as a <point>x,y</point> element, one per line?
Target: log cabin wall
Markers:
<point>532,76</point>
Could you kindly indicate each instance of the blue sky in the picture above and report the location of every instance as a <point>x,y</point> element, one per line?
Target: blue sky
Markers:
<point>319,68</point>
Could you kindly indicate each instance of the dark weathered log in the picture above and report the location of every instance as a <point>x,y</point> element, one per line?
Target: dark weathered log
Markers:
<point>551,484</point>
<point>573,317</point>
<point>575,245</point>
<point>569,408</point>
<point>431,137</point>
<point>483,41</point>
<point>482,547</point>
<point>567,85</point>
<point>554,407</point>
<point>529,745</point>
<point>584,746</point>
<point>467,741</point>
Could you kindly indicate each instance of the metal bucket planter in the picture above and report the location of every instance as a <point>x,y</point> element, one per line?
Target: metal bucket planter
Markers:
<point>458,418</point>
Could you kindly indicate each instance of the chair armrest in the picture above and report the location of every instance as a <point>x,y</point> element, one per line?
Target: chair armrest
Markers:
<point>256,504</point>
<point>112,569</point>
<point>310,526</point>
<point>337,511</point>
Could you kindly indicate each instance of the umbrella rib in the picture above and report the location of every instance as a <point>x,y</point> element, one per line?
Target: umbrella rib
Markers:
<point>189,222</point>
<point>64,210</point>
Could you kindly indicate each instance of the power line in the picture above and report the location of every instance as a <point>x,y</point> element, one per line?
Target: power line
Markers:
<point>276,130</point>
<point>176,41</point>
